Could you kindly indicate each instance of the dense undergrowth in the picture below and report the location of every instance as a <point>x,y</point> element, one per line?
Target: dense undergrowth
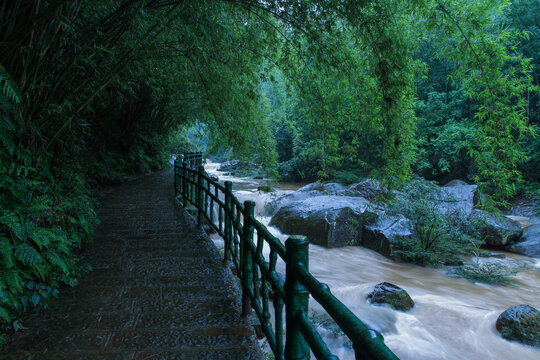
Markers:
<point>45,218</point>
<point>48,212</point>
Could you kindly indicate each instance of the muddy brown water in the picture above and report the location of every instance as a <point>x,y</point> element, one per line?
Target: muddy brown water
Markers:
<point>453,318</point>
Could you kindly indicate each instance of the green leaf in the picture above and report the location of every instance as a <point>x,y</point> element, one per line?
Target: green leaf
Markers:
<point>28,254</point>
<point>8,88</point>
<point>35,299</point>
<point>4,315</point>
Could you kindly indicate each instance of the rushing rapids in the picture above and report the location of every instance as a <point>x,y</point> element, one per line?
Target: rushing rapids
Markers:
<point>453,318</point>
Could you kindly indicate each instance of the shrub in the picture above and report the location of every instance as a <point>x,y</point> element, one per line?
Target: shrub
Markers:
<point>489,272</point>
<point>43,225</point>
<point>348,177</point>
<point>439,235</point>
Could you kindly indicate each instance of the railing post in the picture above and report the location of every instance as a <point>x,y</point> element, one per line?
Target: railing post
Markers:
<point>297,297</point>
<point>247,266</point>
<point>228,222</point>
<point>200,170</point>
<point>184,183</point>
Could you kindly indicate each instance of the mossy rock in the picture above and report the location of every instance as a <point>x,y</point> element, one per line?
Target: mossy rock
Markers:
<point>393,295</point>
<point>520,323</point>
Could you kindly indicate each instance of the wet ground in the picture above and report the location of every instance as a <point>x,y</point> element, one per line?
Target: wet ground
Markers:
<point>158,290</point>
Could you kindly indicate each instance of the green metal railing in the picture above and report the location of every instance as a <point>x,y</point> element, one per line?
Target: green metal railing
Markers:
<point>244,238</point>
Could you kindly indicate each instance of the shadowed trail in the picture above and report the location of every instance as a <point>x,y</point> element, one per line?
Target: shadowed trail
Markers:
<point>158,290</point>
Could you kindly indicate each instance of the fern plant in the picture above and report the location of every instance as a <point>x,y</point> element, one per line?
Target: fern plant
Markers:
<point>8,88</point>
<point>44,220</point>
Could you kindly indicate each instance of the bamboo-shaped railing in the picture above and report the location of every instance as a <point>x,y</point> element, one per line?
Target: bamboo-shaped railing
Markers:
<point>244,236</point>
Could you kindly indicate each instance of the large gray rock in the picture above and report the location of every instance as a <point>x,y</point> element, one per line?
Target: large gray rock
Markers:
<point>496,230</point>
<point>457,195</point>
<point>520,323</point>
<point>525,207</point>
<point>306,192</point>
<point>383,231</point>
<point>393,295</point>
<point>370,189</point>
<point>324,188</point>
<point>326,220</point>
<point>273,206</point>
<point>529,244</point>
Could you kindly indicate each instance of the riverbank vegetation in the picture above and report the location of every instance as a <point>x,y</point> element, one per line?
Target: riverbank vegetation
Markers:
<point>440,237</point>
<point>92,92</point>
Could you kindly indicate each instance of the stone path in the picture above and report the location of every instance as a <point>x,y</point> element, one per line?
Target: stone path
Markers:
<point>158,290</point>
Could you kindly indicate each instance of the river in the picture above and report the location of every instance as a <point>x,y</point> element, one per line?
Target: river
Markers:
<point>453,318</point>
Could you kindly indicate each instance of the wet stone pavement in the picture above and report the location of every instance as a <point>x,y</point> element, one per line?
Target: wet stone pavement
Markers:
<point>158,290</point>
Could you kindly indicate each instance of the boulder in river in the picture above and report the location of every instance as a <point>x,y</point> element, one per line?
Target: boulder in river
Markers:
<point>369,189</point>
<point>529,244</point>
<point>529,207</point>
<point>306,192</point>
<point>457,195</point>
<point>323,188</point>
<point>520,323</point>
<point>326,220</point>
<point>495,229</point>
<point>379,234</point>
<point>393,295</point>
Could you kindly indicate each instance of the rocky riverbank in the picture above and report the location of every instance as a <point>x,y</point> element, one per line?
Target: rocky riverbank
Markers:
<point>333,215</point>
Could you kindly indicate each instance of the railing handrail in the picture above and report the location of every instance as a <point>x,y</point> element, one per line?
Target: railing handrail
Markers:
<point>237,225</point>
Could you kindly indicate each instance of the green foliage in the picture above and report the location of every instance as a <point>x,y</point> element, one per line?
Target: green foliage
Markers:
<point>193,138</point>
<point>444,135</point>
<point>497,77</point>
<point>43,224</point>
<point>522,17</point>
<point>439,235</point>
<point>8,88</point>
<point>487,272</point>
<point>531,190</point>
<point>348,177</point>
<point>468,70</point>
